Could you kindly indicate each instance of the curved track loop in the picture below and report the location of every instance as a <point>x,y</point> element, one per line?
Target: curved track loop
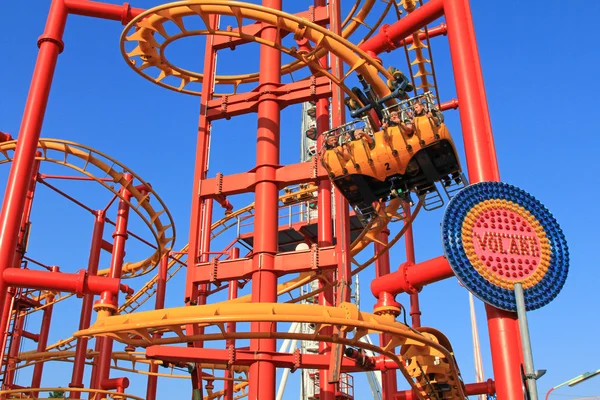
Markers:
<point>138,329</point>
<point>352,21</point>
<point>95,394</point>
<point>151,53</point>
<point>90,162</point>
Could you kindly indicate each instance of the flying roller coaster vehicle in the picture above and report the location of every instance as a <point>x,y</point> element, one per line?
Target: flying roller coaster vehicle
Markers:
<point>406,151</point>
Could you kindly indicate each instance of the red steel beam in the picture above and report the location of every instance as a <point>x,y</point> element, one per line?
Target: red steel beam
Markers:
<point>177,355</point>
<point>161,287</point>
<point>202,208</point>
<point>283,263</point>
<point>325,226</point>
<point>262,372</point>
<point>410,278</point>
<point>415,312</point>
<point>109,302</point>
<point>482,165</point>
<point>21,171</point>
<point>86,306</point>
<point>238,104</point>
<point>382,268</point>
<point>245,182</point>
<point>80,283</point>
<point>231,327</point>
<point>472,389</point>
<point>38,369</point>
<point>389,35</point>
<point>123,13</point>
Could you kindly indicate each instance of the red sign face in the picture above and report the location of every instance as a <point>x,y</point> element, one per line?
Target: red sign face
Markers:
<point>506,244</point>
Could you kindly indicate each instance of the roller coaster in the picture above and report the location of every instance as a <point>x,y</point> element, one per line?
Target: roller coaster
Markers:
<point>313,227</point>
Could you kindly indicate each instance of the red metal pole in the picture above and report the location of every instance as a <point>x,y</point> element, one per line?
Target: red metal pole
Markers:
<point>475,118</point>
<point>86,306</point>
<point>382,268</point>
<point>94,9</point>
<point>325,233</point>
<point>19,254</point>
<point>262,376</point>
<point>36,379</point>
<point>50,45</point>
<point>230,343</point>
<point>411,277</point>
<point>342,214</point>
<point>482,166</point>
<point>161,286</point>
<point>390,34</point>
<point>109,302</point>
<point>415,312</point>
<point>201,214</point>
<point>74,283</point>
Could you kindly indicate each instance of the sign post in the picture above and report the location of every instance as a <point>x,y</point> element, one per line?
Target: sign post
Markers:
<point>526,341</point>
<point>507,249</point>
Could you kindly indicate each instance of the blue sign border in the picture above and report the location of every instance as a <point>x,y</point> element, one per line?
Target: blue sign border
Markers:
<point>536,296</point>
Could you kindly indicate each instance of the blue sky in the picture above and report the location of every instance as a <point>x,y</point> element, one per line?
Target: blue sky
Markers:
<point>538,63</point>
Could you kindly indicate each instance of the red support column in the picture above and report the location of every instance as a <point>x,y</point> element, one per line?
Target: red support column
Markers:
<point>482,166</point>
<point>161,287</point>
<point>342,214</point>
<point>201,214</point>
<point>19,253</point>
<point>50,45</point>
<point>86,305</point>
<point>262,377</point>
<point>415,312</point>
<point>325,233</point>
<point>230,343</point>
<point>382,268</point>
<point>36,379</point>
<point>109,302</point>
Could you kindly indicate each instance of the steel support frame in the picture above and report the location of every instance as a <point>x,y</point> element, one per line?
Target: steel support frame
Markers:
<point>480,152</point>
<point>479,147</point>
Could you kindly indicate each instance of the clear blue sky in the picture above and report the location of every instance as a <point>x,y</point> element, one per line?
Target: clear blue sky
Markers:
<point>538,62</point>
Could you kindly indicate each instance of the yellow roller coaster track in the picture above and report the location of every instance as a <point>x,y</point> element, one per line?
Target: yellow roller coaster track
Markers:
<point>93,164</point>
<point>142,29</point>
<point>421,349</point>
<point>352,22</point>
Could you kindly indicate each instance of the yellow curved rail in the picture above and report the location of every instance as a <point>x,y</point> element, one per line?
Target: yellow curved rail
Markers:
<point>151,53</point>
<point>352,21</point>
<point>138,329</point>
<point>83,158</point>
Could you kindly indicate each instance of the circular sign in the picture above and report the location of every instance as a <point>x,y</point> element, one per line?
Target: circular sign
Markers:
<point>496,235</point>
